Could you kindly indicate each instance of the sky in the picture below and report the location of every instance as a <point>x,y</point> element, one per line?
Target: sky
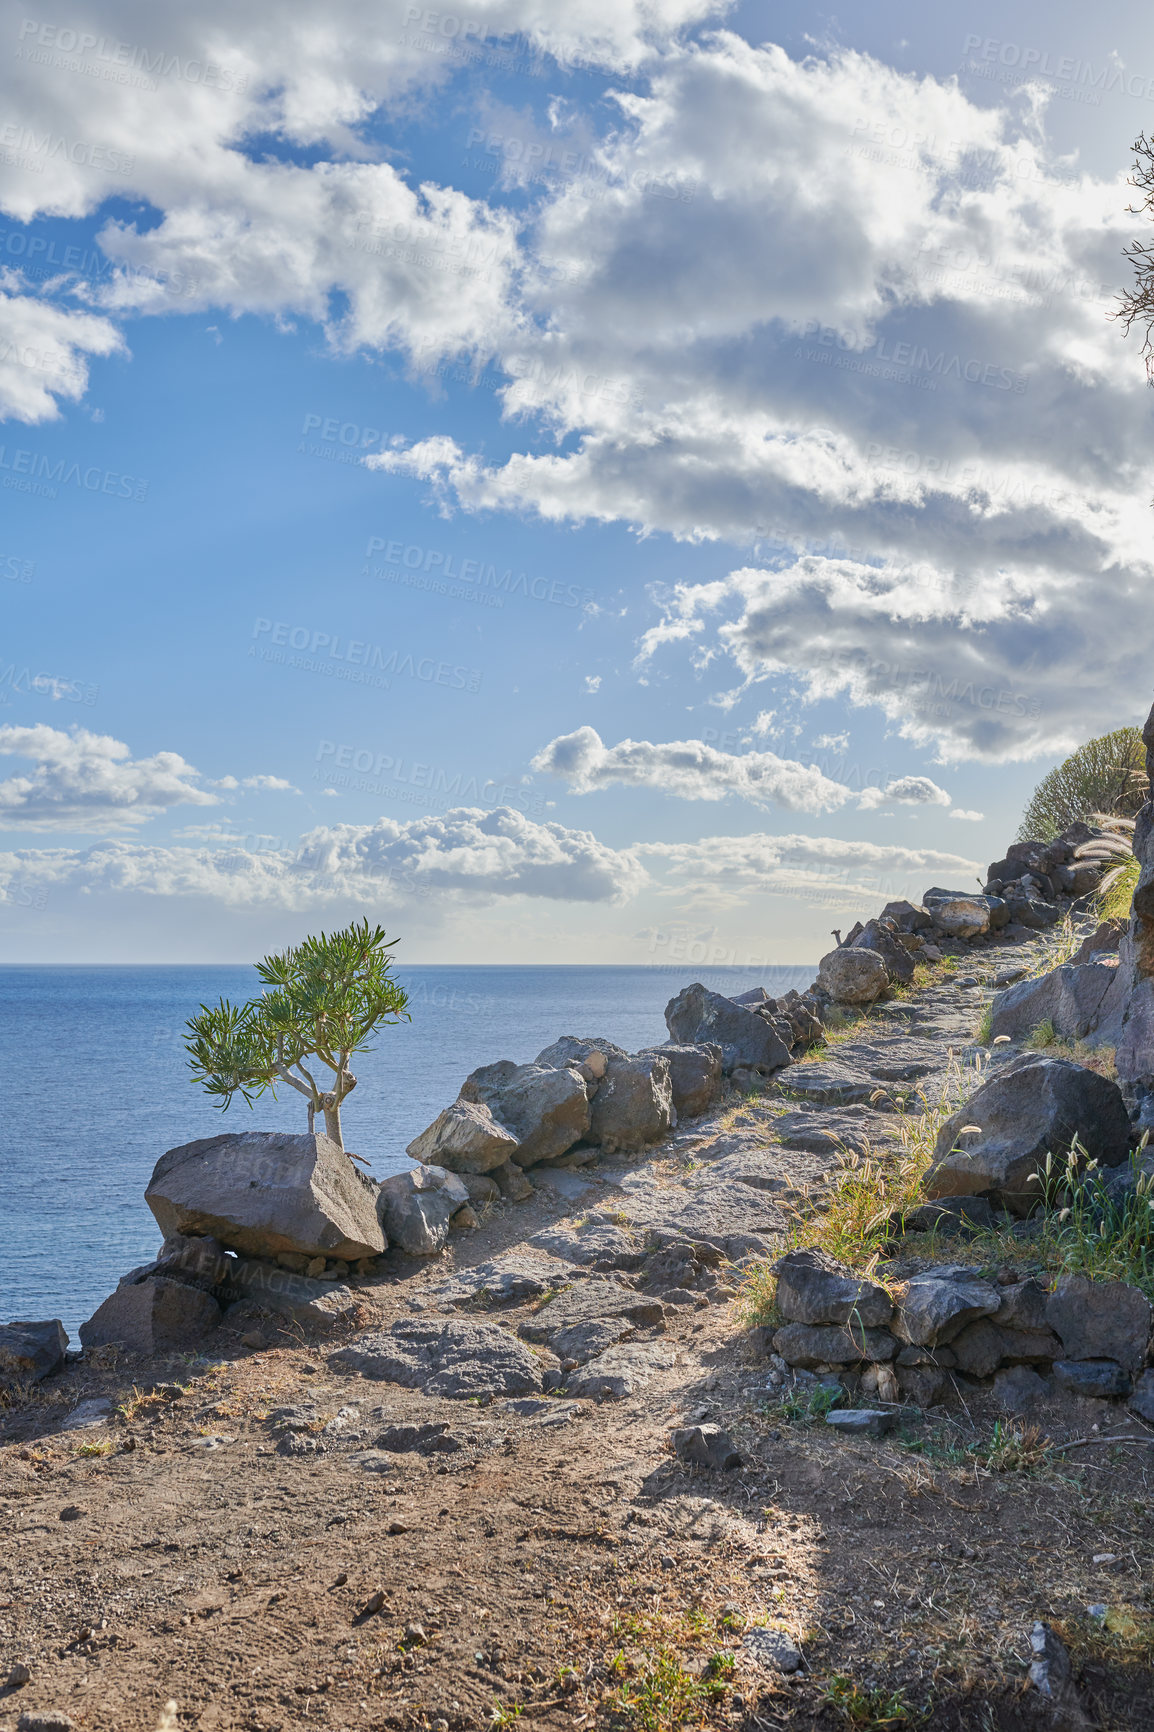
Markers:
<point>642,481</point>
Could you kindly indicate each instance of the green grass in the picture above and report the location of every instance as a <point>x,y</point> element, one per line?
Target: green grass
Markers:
<point>1113,903</point>
<point>1045,1034</point>
<point>664,1695</point>
<point>984,1032</point>
<point>805,1408</point>
<point>871,1710</point>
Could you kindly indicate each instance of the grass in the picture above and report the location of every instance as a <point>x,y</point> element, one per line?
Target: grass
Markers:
<point>805,1407</point>
<point>1113,903</point>
<point>1045,1034</point>
<point>664,1694</point>
<point>871,1710</point>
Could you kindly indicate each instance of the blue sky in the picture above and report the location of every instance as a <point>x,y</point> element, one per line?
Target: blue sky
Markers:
<point>643,488</point>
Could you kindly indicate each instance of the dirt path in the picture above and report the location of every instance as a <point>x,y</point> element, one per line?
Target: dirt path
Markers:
<point>257,1538</point>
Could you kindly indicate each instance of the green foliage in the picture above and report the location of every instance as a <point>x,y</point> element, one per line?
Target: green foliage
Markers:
<point>322,1002</point>
<point>665,1695</point>
<point>1116,892</point>
<point>1106,775</point>
<point>1045,1034</point>
<point>870,1709</point>
<point>806,1407</point>
<point>1087,1231</point>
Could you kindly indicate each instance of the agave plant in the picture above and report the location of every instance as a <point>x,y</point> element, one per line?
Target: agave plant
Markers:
<point>1113,847</point>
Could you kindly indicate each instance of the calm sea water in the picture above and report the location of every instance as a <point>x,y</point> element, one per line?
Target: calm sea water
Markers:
<point>98,1088</point>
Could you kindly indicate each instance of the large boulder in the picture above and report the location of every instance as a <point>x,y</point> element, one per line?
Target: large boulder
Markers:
<point>633,1105</point>
<point>416,1207</point>
<point>694,1074</point>
<point>906,916</point>
<point>30,1351</point>
<point>853,976</point>
<point>882,938</point>
<point>1032,1107</point>
<point>267,1192</point>
<point>747,1040</point>
<point>465,1138</point>
<point>155,1315</point>
<point>935,1307</point>
<point>1080,1001</point>
<point>957,913</point>
<point>812,1344</point>
<point>1101,1320</point>
<point>813,1287</point>
<point>546,1108</point>
<point>464,1361</point>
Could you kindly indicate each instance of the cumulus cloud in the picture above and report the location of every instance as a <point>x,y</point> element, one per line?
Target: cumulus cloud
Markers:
<point>44,351</point>
<point>85,781</point>
<point>467,853</point>
<point>968,817</point>
<point>906,791</point>
<point>270,784</point>
<point>689,769</point>
<point>726,870</point>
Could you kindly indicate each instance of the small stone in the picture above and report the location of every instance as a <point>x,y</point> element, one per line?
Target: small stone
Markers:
<point>1093,1377</point>
<point>1050,1666</point>
<point>72,1512</point>
<point>705,1446</point>
<point>1104,1558</point>
<point>860,1421</point>
<point>45,1720</point>
<point>1017,1388</point>
<point>1098,1611</point>
<point>19,1676</point>
<point>773,1649</point>
<point>372,1605</point>
<point>254,1340</point>
<point>1142,1400</point>
<point>415,1635</point>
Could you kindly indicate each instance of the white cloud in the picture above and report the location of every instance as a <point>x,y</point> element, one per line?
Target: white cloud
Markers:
<point>270,784</point>
<point>726,870</point>
<point>831,743</point>
<point>89,782</point>
<point>466,853</point>
<point>592,682</point>
<point>968,817</point>
<point>689,769</point>
<point>44,350</point>
<point>906,791</point>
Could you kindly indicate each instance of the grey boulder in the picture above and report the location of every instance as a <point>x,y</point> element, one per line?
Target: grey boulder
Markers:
<point>697,1016</point>
<point>416,1207</point>
<point>935,1307</point>
<point>1031,1107</point>
<point>31,1351</point>
<point>1142,1397</point>
<point>812,1287</point>
<point>155,1315</point>
<point>619,1373</point>
<point>705,1446</point>
<point>633,1105</point>
<point>1077,1000</point>
<point>853,976</point>
<point>880,938</point>
<point>465,1138</point>
<point>546,1108</point>
<point>1101,1378</point>
<point>1100,1320</point>
<point>694,1074</point>
<point>810,1344</point>
<point>266,1192</point>
<point>957,914</point>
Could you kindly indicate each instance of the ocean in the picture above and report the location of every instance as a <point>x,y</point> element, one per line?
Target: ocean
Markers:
<point>99,1088</point>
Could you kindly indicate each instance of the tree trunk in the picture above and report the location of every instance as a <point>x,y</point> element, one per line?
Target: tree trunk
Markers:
<point>333,1120</point>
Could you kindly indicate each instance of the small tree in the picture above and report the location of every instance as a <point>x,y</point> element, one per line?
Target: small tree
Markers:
<point>1105,776</point>
<point>322,1002</point>
<point>1137,304</point>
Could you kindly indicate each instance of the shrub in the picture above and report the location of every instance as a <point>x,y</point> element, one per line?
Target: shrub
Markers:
<point>1106,775</point>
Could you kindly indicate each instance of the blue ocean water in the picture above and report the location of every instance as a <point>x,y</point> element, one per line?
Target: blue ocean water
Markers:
<point>99,1088</point>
